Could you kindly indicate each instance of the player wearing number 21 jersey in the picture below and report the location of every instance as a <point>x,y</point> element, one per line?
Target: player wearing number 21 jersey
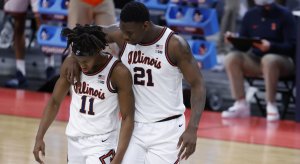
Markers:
<point>155,79</point>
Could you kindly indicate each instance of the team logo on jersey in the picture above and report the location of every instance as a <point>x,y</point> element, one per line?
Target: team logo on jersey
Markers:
<point>159,48</point>
<point>101,79</point>
<point>135,57</point>
<point>84,88</point>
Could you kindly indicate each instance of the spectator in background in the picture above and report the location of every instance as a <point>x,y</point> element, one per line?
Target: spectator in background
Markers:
<point>271,59</point>
<point>202,49</point>
<point>179,13</point>
<point>233,10</point>
<point>18,10</point>
<point>228,22</point>
<point>198,17</point>
<point>93,12</point>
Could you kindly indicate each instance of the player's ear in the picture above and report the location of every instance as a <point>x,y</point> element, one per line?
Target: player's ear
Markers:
<point>146,25</point>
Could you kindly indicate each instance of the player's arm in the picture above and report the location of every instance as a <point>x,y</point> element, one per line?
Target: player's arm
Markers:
<point>50,111</point>
<point>180,54</point>
<point>113,34</point>
<point>122,81</point>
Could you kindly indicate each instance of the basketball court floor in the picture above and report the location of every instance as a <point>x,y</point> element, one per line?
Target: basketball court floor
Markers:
<point>237,141</point>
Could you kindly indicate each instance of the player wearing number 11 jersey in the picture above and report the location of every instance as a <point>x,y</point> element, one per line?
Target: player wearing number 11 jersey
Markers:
<point>96,99</point>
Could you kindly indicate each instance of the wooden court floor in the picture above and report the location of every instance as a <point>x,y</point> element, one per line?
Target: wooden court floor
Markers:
<point>247,141</point>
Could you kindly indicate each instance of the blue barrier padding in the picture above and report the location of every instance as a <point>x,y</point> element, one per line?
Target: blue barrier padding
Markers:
<point>207,26</point>
<point>50,36</point>
<point>208,59</point>
<point>161,5</point>
<point>199,2</point>
<point>53,7</point>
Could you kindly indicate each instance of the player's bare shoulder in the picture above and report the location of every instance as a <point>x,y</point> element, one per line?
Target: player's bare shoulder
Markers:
<point>120,74</point>
<point>178,43</point>
<point>177,48</point>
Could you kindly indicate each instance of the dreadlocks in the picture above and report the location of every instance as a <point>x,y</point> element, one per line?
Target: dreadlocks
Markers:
<point>85,40</point>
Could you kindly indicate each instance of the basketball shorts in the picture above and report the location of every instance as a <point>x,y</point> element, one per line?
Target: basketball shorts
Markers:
<point>97,149</point>
<point>155,143</point>
<point>20,6</point>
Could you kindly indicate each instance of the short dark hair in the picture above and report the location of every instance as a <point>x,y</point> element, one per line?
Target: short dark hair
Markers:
<point>86,40</point>
<point>134,12</point>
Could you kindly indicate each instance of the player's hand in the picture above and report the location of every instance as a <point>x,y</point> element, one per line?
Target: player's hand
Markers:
<point>187,143</point>
<point>264,46</point>
<point>39,146</point>
<point>73,70</point>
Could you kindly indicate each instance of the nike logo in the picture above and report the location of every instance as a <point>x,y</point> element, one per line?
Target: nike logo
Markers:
<point>104,140</point>
<point>180,125</point>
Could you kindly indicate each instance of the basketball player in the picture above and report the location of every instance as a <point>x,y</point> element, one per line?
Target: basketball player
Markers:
<point>105,85</point>
<point>158,60</point>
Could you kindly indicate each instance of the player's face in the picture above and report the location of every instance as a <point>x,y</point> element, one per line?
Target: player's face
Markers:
<point>133,32</point>
<point>87,63</point>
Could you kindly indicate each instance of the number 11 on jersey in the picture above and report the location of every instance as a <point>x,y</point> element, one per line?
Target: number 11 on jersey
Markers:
<point>91,103</point>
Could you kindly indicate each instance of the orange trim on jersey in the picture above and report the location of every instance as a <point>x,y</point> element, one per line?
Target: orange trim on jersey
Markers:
<point>109,86</point>
<point>122,50</point>
<point>155,40</point>
<point>93,2</point>
<point>166,49</point>
<point>101,68</point>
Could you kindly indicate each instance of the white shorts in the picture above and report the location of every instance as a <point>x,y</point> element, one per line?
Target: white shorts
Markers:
<point>97,149</point>
<point>155,143</point>
<point>20,6</point>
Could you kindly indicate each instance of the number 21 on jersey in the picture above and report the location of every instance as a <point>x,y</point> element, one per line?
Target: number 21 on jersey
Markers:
<point>140,77</point>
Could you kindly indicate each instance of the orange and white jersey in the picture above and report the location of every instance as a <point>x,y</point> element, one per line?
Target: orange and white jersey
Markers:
<point>157,81</point>
<point>94,106</point>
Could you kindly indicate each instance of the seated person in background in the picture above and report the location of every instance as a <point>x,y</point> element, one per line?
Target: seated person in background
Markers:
<point>179,13</point>
<point>198,17</point>
<point>271,59</point>
<point>202,49</point>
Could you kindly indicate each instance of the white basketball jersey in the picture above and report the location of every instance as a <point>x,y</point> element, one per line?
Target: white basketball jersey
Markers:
<point>157,82</point>
<point>94,106</point>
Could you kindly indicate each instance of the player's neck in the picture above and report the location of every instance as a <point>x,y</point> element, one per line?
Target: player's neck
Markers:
<point>101,62</point>
<point>153,33</point>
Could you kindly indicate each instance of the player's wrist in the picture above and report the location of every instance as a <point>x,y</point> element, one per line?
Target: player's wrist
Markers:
<point>39,137</point>
<point>192,128</point>
<point>117,158</point>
